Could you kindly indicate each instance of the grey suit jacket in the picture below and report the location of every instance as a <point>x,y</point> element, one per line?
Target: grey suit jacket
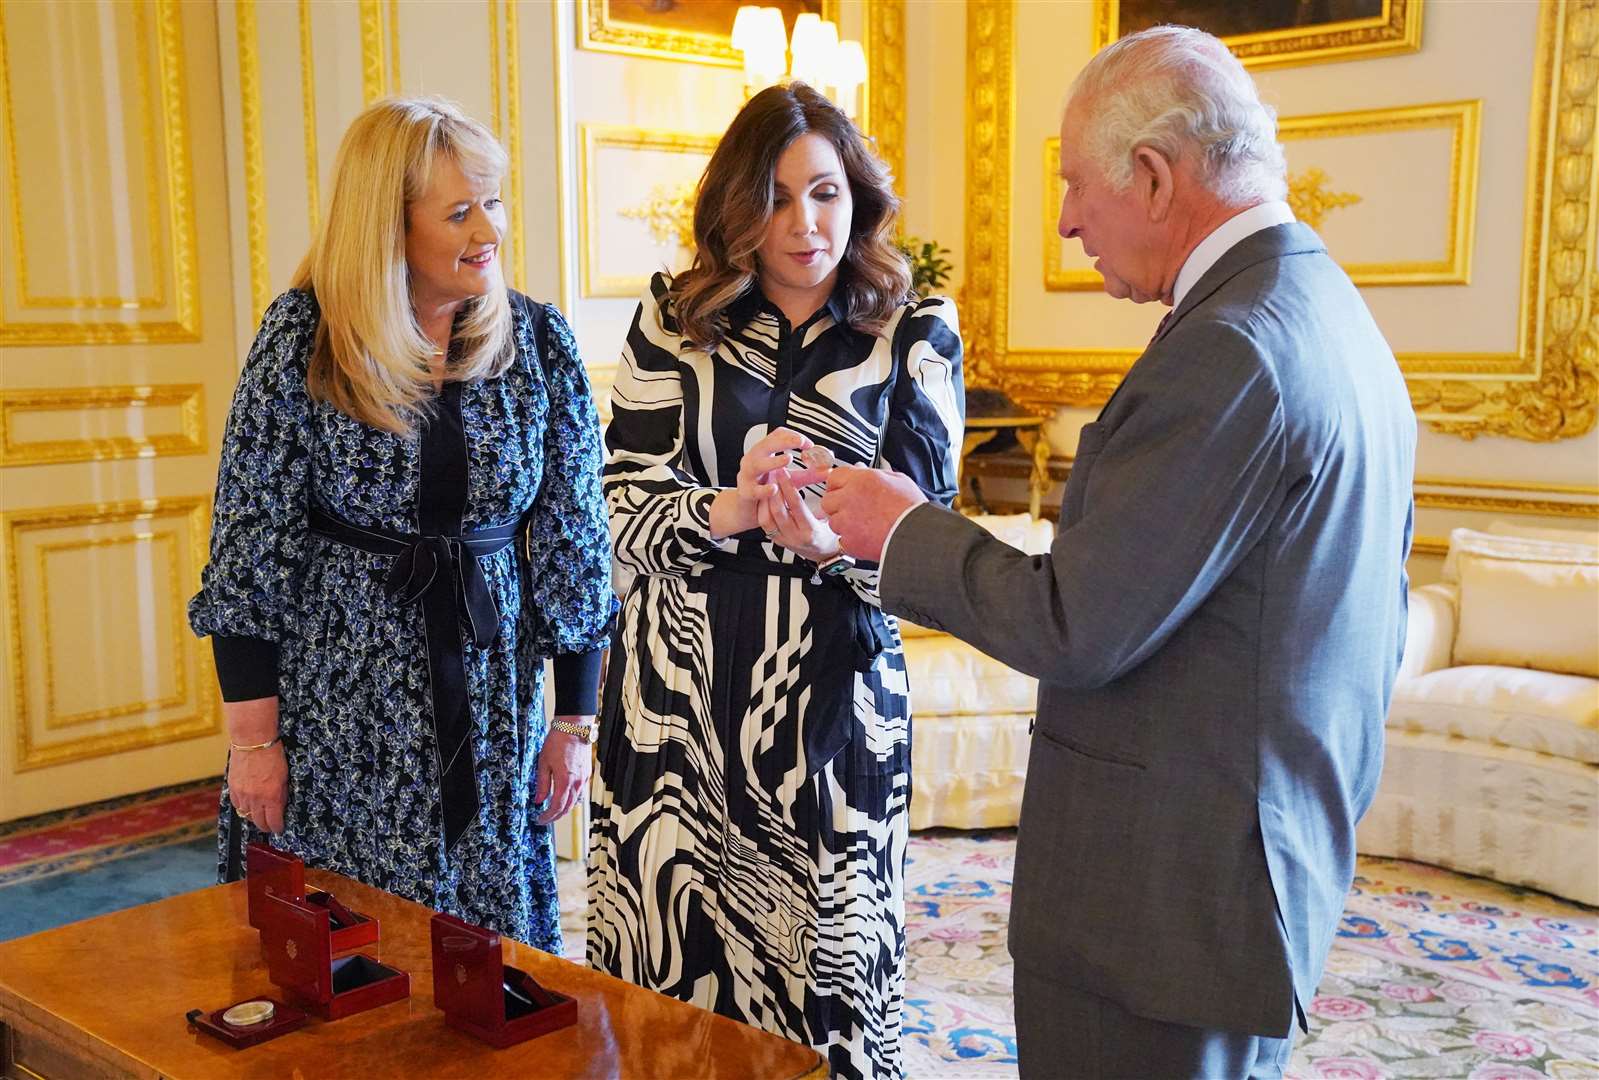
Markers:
<point>1216,631</point>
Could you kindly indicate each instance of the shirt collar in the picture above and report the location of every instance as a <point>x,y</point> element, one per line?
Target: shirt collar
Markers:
<point>1226,235</point>
<point>752,301</point>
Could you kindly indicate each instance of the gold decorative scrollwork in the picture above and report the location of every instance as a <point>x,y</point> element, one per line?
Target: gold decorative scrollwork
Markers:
<point>668,214</point>
<point>989,89</point>
<point>885,83</point>
<point>1311,202</point>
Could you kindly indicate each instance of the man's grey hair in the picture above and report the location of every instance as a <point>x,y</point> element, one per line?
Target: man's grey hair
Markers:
<point>1180,92</point>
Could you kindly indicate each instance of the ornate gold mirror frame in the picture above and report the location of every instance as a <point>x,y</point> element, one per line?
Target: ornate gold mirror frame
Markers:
<point>1547,389</point>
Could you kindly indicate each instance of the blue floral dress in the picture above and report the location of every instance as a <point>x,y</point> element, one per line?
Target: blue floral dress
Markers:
<point>334,629</point>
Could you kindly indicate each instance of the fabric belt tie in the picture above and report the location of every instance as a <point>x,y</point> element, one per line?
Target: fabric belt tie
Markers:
<point>442,574</point>
<point>831,716</point>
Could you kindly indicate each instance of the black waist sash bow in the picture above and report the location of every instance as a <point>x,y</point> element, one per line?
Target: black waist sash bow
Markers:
<point>442,574</point>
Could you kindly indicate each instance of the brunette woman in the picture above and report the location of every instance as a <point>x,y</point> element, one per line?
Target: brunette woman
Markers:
<point>749,824</point>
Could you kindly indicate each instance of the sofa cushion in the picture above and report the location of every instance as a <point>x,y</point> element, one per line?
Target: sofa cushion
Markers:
<point>949,678</point>
<point>1537,612</point>
<point>1503,541</point>
<point>1511,706</point>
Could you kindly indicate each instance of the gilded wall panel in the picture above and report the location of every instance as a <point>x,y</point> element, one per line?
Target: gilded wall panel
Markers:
<point>1542,388</point>
<point>102,659</point>
<point>108,255</point>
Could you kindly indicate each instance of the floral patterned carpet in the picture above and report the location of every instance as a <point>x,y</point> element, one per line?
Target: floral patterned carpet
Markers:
<point>1434,974</point>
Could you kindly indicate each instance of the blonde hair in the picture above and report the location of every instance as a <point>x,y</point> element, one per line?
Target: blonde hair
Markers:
<point>370,358</point>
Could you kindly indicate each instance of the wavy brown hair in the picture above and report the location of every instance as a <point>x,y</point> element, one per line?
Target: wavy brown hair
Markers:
<point>734,207</point>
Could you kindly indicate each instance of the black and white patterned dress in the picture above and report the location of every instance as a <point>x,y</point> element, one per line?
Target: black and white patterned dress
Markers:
<point>749,809</point>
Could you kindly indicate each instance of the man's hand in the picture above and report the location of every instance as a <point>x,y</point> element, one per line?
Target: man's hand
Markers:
<point>863,504</point>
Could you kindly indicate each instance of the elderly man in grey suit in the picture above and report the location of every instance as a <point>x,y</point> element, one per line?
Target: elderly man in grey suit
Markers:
<point>1218,623</point>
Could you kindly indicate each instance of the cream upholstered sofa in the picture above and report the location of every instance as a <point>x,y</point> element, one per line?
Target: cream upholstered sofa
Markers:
<point>971,716</point>
<point>1493,736</point>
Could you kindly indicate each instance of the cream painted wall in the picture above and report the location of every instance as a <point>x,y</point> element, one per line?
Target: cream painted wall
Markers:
<point>1469,51</point>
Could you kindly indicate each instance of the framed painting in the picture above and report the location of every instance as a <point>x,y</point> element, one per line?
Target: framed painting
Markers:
<point>1274,33</point>
<point>699,31</point>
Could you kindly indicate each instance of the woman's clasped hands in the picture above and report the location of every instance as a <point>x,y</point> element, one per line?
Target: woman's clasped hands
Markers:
<point>768,484</point>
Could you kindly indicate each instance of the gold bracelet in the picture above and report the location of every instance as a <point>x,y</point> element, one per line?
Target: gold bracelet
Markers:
<point>258,746</point>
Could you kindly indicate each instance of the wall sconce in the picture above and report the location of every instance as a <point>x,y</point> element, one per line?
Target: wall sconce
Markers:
<point>815,54</point>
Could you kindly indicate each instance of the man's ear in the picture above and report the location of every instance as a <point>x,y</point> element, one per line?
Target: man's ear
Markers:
<point>1152,180</point>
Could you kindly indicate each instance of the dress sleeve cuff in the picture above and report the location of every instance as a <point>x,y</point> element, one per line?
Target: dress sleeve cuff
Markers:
<point>247,668</point>
<point>577,683</point>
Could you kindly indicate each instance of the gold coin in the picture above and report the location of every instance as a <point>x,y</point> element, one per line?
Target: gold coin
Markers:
<point>249,1014</point>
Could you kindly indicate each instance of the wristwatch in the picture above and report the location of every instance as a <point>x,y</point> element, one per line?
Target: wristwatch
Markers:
<point>588,732</point>
<point>832,566</point>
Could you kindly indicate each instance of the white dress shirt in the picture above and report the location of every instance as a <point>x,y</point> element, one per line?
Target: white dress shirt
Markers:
<point>1206,253</point>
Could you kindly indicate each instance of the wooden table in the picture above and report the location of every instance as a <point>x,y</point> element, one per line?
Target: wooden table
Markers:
<point>106,997</point>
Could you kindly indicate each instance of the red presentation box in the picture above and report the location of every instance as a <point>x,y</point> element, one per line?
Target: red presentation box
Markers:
<point>298,943</point>
<point>271,870</point>
<point>483,997</point>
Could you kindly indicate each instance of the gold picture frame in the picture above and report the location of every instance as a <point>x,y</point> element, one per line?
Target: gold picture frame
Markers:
<point>1395,28</point>
<point>1541,391</point>
<point>603,30</point>
<point>592,138</point>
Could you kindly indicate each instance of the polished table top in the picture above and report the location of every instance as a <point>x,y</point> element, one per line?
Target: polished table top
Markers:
<point>118,986</point>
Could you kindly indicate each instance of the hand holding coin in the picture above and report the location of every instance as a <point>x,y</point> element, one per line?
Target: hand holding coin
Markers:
<point>810,465</point>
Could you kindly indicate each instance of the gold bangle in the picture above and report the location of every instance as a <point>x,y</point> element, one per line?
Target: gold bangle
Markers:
<point>257,746</point>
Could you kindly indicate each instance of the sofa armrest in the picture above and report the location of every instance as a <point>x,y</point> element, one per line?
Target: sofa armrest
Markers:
<point>1430,634</point>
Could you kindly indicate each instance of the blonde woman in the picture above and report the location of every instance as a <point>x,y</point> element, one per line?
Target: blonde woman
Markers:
<point>408,520</point>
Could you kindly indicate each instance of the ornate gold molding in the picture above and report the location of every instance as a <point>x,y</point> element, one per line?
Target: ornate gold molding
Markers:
<point>513,114</point>
<point>373,80</point>
<point>563,155</point>
<point>1560,500</point>
<point>989,91</point>
<point>1560,287</point>
<point>206,716</point>
<point>885,83</point>
<point>313,178</point>
<point>591,138</point>
<point>255,211</point>
<point>597,30</point>
<point>188,399</point>
<point>1396,30</point>
<point>1548,389</point>
<point>184,326</point>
